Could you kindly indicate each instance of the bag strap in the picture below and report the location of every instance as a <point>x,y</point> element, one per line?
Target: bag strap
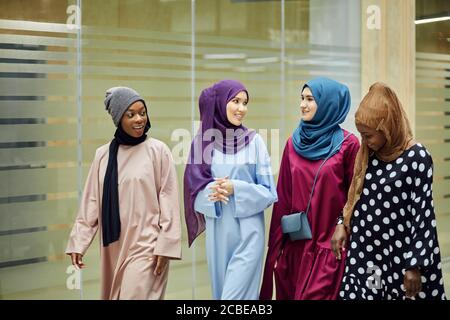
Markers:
<point>318,170</point>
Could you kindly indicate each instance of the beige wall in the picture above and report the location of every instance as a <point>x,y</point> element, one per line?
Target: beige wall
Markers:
<point>388,53</point>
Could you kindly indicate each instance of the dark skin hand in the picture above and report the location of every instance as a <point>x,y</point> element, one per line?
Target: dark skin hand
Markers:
<point>412,282</point>
<point>338,241</point>
<point>77,260</point>
<point>412,279</point>
<point>161,264</point>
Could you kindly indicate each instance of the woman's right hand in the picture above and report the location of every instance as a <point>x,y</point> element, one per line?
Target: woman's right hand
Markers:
<point>338,240</point>
<point>220,193</point>
<point>77,260</point>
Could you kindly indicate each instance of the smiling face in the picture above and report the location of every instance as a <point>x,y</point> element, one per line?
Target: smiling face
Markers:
<point>374,139</point>
<point>308,106</point>
<point>237,108</point>
<point>134,119</point>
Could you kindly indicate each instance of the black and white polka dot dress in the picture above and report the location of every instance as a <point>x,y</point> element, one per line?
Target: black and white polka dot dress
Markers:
<point>393,229</point>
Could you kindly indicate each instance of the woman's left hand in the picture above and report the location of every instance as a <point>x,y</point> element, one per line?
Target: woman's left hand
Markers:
<point>161,264</point>
<point>222,188</point>
<point>412,282</point>
<point>224,184</point>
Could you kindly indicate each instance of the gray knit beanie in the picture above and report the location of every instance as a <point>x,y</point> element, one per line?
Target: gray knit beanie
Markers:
<point>118,100</point>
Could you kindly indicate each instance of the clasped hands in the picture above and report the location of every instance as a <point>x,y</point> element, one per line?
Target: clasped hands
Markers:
<point>221,190</point>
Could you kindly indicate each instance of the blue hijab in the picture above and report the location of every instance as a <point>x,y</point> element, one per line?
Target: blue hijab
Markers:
<point>316,139</point>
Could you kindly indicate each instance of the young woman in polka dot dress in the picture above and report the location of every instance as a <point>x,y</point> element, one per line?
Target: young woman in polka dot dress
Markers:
<point>393,250</point>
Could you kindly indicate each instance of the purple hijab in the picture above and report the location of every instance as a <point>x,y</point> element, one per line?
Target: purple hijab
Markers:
<point>218,133</point>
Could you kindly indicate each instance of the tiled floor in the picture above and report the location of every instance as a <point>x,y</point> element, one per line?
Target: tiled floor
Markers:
<point>179,288</point>
<point>176,290</point>
<point>13,285</point>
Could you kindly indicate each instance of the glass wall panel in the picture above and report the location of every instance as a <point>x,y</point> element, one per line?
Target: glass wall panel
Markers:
<point>316,45</point>
<point>38,148</point>
<point>433,111</point>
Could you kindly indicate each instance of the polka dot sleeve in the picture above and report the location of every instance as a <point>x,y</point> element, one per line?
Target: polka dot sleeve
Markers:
<point>424,245</point>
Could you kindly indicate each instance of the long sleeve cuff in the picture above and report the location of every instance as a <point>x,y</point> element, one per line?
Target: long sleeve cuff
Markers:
<point>168,247</point>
